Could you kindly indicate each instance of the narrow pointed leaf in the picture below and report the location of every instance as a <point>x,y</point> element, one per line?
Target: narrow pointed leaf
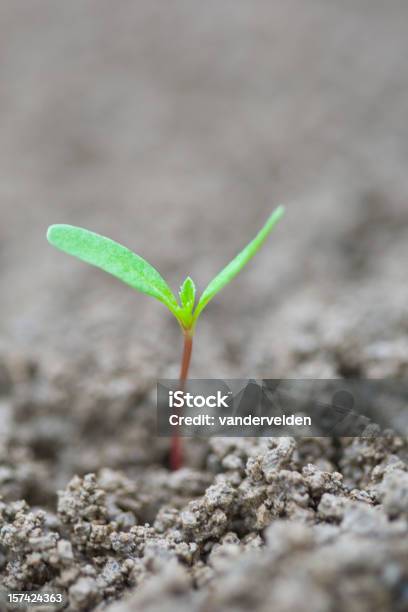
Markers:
<point>187,294</point>
<point>187,300</point>
<point>235,266</point>
<point>113,258</point>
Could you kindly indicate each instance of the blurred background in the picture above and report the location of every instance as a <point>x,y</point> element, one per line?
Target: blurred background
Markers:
<point>175,128</point>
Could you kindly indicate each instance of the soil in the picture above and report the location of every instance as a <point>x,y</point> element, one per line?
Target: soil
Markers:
<point>175,129</point>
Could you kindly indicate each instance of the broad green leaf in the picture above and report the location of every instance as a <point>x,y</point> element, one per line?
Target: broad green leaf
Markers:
<point>115,259</point>
<point>235,266</point>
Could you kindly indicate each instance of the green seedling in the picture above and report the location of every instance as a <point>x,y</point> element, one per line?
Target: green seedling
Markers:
<point>131,269</point>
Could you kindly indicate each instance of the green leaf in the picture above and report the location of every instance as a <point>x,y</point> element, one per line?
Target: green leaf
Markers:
<point>187,294</point>
<point>235,266</point>
<point>187,298</point>
<point>115,259</point>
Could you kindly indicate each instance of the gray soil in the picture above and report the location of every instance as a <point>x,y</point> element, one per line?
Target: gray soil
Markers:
<point>175,128</point>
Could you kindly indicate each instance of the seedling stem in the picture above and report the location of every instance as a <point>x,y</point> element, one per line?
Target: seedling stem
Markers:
<point>176,453</point>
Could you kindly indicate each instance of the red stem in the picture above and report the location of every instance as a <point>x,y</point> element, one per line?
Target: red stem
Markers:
<point>185,362</point>
<point>176,452</point>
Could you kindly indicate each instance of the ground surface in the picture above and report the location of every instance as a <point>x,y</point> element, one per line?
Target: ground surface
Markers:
<point>175,128</point>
